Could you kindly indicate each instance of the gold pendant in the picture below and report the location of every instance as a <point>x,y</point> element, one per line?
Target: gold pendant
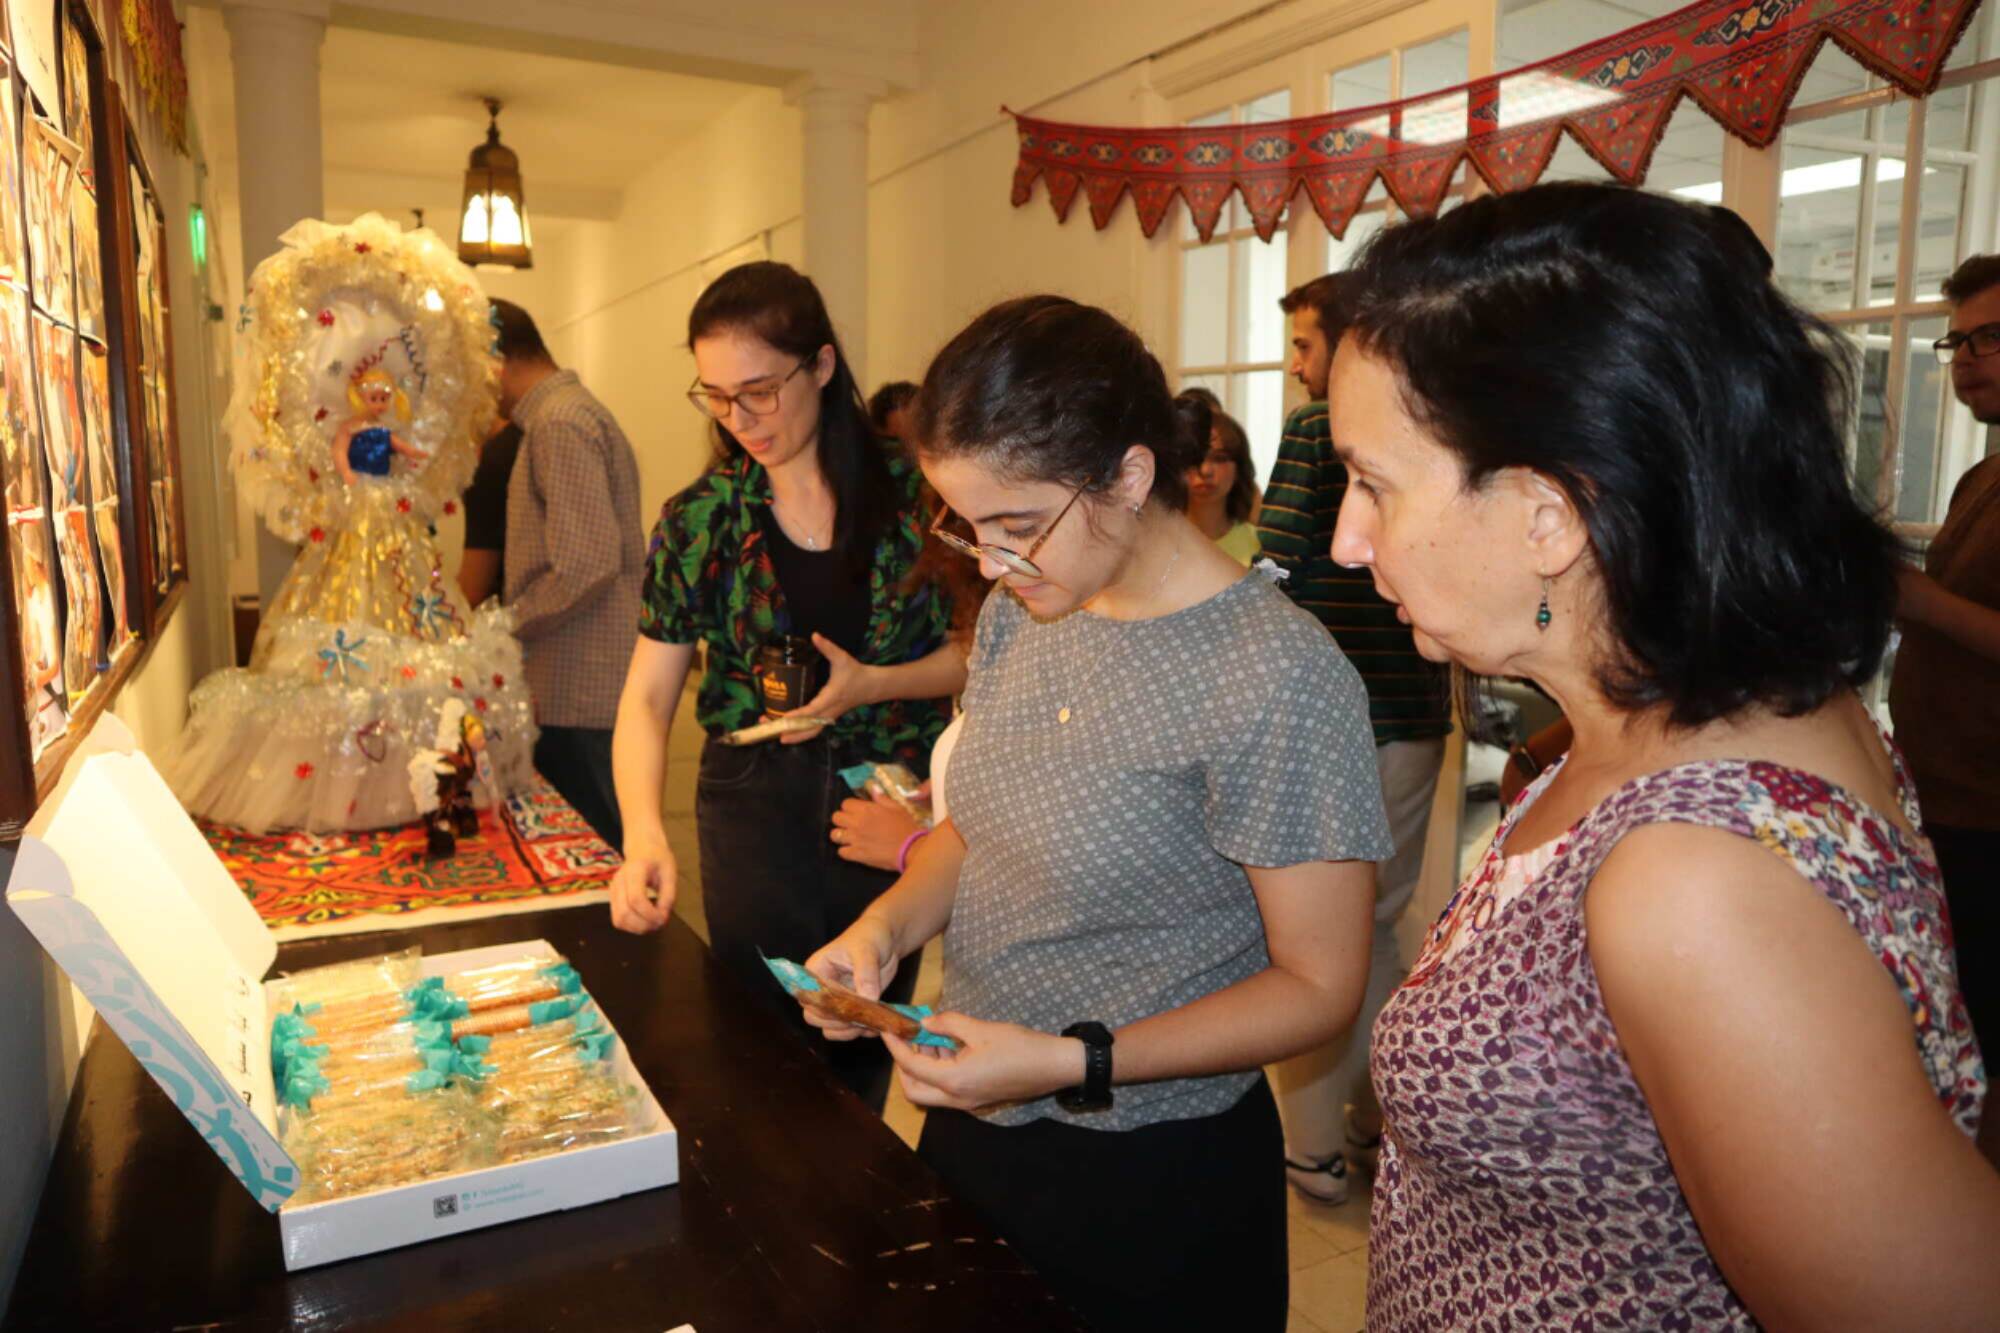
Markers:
<point>1062,714</point>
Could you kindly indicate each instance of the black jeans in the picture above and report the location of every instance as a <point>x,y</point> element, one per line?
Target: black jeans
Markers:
<point>1174,1225</point>
<point>771,880</point>
<point>577,763</point>
<point>1969,860</point>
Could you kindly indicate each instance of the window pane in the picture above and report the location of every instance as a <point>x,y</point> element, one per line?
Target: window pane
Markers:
<point>1981,41</point>
<point>1889,183</point>
<point>1359,85</point>
<point>1205,305</point>
<point>1570,163</point>
<point>1431,66</point>
<point>1271,106</point>
<point>1833,73</point>
<point>1819,211</point>
<point>1531,30</point>
<point>1688,161</point>
<point>1926,390</point>
<point>1869,344</point>
<point>1215,384</point>
<point>1263,416</point>
<point>1342,253</point>
<point>1261,322</point>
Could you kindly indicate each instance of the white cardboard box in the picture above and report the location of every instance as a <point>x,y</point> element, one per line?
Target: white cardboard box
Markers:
<point>119,886</point>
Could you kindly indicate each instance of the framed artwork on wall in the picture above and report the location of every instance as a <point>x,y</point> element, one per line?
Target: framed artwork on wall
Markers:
<point>94,559</point>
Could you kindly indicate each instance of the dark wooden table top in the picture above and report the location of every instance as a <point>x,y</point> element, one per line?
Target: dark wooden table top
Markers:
<point>796,1208</point>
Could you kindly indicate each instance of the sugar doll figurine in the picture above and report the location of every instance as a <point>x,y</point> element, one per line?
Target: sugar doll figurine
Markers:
<point>363,446</point>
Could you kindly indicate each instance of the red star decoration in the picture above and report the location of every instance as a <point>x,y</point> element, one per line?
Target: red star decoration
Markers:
<point>480,704</point>
<point>362,247</point>
<point>499,681</point>
<point>326,319</point>
<point>317,535</point>
<point>457,684</point>
<point>403,505</point>
<point>303,771</point>
<point>451,506</point>
<point>320,415</point>
<point>409,673</point>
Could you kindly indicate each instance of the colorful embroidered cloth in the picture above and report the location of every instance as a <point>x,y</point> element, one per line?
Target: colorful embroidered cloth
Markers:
<point>532,852</point>
<point>1739,60</point>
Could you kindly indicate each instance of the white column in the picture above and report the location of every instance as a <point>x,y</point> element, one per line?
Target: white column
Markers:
<point>834,112</point>
<point>274,50</point>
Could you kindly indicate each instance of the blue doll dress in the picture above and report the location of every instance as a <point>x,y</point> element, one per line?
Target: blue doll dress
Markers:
<point>369,451</point>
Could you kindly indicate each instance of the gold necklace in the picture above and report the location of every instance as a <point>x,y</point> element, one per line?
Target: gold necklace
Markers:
<point>1063,709</point>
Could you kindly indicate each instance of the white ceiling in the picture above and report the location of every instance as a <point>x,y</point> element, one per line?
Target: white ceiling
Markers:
<point>399,106</point>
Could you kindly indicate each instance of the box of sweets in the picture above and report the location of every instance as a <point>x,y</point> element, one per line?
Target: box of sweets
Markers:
<point>370,1104</point>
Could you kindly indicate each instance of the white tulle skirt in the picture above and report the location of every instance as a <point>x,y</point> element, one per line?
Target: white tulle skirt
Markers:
<point>345,685</point>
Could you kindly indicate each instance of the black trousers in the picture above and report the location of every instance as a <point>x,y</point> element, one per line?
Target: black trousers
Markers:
<point>577,763</point>
<point>1176,1225</point>
<point>771,880</point>
<point>1970,862</point>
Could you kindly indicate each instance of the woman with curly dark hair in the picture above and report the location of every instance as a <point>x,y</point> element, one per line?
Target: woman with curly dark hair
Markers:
<point>1706,964</point>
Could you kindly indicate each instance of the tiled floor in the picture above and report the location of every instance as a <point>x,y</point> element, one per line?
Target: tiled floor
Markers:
<point>1329,1246</point>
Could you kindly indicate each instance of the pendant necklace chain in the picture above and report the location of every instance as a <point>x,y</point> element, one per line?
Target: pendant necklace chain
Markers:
<point>1063,709</point>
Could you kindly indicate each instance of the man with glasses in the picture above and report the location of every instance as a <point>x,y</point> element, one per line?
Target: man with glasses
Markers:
<point>1945,695</point>
<point>572,564</point>
<point>1328,1109</point>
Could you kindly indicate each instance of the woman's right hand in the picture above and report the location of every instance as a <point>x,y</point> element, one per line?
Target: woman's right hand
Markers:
<point>642,892</point>
<point>862,959</point>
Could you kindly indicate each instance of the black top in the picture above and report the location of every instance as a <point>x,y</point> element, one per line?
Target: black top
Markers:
<point>486,498</point>
<point>821,591</point>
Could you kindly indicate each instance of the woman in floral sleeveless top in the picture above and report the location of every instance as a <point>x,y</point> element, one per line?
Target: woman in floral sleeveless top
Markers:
<point>1687,1050</point>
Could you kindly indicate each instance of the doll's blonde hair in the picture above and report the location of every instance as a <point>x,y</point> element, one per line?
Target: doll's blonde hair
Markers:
<point>379,376</point>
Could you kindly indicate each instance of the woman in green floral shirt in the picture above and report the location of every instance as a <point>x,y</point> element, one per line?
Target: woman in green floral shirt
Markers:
<point>802,526</point>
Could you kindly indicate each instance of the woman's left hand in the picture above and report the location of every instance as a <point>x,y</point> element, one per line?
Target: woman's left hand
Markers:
<point>994,1062</point>
<point>848,685</point>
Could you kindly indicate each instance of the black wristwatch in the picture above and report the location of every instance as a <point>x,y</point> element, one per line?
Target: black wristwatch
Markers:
<point>1094,1093</point>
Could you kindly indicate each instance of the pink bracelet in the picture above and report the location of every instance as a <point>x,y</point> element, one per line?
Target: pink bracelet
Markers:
<point>903,852</point>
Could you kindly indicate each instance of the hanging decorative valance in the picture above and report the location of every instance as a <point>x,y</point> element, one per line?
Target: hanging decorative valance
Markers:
<point>1740,62</point>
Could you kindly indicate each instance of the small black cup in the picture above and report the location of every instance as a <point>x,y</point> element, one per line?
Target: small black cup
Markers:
<point>790,670</point>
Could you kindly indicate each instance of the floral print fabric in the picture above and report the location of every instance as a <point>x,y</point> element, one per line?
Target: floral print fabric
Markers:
<point>709,579</point>
<point>1523,1182</point>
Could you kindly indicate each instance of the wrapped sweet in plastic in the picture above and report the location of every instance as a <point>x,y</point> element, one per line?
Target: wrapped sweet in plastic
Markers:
<point>351,1148</point>
<point>893,783</point>
<point>362,978</point>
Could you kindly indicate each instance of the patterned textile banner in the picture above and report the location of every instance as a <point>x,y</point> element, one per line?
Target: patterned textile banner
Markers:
<point>1740,62</point>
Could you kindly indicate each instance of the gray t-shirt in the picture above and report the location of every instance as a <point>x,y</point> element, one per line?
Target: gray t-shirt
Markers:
<point>1103,875</point>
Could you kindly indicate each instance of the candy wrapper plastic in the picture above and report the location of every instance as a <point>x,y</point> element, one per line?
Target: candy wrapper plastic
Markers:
<point>388,1077</point>
<point>893,783</point>
<point>902,1020</point>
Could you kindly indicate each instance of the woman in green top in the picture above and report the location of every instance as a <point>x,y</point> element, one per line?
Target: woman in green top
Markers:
<point>802,526</point>
<point>1222,487</point>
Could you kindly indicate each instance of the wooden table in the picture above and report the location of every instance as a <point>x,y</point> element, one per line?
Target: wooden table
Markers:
<point>797,1209</point>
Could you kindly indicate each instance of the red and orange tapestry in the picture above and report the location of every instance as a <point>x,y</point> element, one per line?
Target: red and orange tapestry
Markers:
<point>532,851</point>
<point>1740,62</point>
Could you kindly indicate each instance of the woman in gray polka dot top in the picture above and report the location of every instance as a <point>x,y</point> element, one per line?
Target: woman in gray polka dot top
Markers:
<point>1157,875</point>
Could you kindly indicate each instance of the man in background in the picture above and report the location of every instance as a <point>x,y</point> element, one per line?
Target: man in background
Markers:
<point>572,558</point>
<point>1329,1111</point>
<point>1945,693</point>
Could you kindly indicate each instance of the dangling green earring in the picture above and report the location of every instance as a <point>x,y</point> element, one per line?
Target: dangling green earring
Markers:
<point>1542,616</point>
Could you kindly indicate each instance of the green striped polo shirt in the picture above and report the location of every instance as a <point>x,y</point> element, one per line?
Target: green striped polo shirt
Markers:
<point>1408,698</point>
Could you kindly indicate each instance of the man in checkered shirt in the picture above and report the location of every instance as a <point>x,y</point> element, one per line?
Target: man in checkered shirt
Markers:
<point>573,557</point>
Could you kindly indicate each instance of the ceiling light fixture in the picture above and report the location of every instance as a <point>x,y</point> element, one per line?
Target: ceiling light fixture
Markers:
<point>493,229</point>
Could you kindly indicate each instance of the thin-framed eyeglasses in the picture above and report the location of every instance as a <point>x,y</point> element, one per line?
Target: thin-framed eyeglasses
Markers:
<point>758,402</point>
<point>1014,562</point>
<point>1982,341</point>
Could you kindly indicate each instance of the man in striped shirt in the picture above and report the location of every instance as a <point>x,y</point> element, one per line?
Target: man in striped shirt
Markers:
<point>1325,1095</point>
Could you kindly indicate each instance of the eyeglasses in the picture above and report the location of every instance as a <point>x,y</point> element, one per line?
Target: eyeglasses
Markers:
<point>1982,341</point>
<point>1012,561</point>
<point>716,404</point>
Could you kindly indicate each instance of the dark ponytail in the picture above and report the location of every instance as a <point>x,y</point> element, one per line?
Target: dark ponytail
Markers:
<point>778,305</point>
<point>1052,390</point>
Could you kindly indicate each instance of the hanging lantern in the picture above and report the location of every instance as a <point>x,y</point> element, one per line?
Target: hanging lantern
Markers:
<point>494,226</point>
